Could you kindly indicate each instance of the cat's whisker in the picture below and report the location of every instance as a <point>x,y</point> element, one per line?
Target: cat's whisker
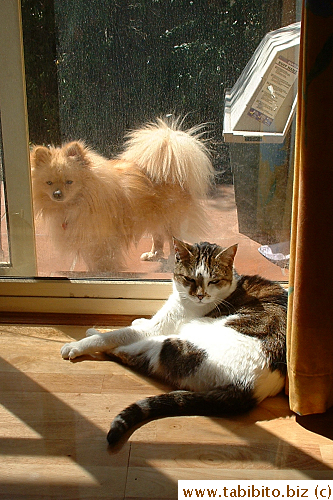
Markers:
<point>229,306</point>
<point>219,304</point>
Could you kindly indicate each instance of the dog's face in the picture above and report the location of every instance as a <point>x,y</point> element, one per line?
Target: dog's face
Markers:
<point>59,172</point>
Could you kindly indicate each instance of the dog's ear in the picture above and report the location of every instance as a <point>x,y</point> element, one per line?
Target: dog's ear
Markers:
<point>40,155</point>
<point>76,150</point>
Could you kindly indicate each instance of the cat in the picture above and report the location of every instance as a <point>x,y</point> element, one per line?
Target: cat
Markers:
<point>220,339</point>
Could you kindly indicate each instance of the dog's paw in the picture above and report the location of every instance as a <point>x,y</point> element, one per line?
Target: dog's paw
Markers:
<point>71,350</point>
<point>151,256</point>
<point>92,331</point>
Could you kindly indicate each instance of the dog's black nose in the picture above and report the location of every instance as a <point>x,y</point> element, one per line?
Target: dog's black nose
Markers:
<point>57,194</point>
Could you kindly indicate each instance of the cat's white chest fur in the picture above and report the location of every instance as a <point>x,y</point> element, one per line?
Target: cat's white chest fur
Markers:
<point>231,357</point>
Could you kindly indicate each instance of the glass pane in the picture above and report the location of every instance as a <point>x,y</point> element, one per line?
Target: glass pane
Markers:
<point>96,70</point>
<point>4,239</point>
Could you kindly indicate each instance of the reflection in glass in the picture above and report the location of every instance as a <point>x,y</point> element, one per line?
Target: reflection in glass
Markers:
<point>4,239</point>
<point>105,68</point>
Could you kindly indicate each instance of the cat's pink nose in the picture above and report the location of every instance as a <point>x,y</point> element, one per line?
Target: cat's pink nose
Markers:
<point>200,297</point>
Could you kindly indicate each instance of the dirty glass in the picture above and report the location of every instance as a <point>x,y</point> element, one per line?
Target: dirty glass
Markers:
<point>4,239</point>
<point>96,70</point>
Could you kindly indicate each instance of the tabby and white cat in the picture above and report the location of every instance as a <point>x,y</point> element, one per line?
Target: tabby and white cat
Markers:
<point>219,339</point>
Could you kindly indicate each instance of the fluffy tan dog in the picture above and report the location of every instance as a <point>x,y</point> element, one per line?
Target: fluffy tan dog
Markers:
<point>96,208</point>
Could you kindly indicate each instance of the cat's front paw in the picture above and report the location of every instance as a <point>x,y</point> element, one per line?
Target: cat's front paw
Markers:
<point>92,331</point>
<point>71,350</point>
<point>141,322</point>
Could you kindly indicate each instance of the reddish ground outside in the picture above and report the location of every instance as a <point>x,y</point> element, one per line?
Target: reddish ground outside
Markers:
<point>223,229</point>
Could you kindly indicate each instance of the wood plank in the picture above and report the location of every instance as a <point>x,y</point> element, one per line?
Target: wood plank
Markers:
<point>55,414</point>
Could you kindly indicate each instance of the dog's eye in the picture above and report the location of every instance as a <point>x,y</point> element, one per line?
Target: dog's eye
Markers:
<point>69,182</point>
<point>49,183</point>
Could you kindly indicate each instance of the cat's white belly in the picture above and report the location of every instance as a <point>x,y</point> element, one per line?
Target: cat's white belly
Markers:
<point>231,358</point>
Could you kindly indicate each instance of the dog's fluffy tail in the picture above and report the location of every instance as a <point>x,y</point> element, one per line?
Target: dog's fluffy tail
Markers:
<point>166,153</point>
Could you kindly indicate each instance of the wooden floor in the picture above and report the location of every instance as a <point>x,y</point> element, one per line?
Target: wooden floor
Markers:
<point>54,416</point>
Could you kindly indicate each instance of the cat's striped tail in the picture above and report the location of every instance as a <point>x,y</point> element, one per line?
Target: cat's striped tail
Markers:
<point>219,402</point>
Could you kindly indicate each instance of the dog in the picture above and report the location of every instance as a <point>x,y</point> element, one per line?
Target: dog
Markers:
<point>97,208</point>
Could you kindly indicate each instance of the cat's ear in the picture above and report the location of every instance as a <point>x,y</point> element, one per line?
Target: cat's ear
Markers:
<point>182,250</point>
<point>228,254</point>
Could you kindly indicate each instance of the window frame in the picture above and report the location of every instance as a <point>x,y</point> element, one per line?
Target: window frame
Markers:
<point>47,295</point>
<point>39,295</point>
<point>66,296</point>
<point>14,125</point>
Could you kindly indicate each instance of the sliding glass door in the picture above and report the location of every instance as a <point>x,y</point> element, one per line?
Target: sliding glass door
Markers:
<point>92,71</point>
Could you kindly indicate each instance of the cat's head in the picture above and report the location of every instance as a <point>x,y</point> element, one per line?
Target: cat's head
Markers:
<point>204,272</point>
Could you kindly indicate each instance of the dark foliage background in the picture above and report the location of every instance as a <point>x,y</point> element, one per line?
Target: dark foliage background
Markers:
<point>96,69</point>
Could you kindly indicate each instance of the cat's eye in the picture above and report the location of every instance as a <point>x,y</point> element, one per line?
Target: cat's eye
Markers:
<point>49,183</point>
<point>188,280</point>
<point>69,182</point>
<point>214,282</point>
